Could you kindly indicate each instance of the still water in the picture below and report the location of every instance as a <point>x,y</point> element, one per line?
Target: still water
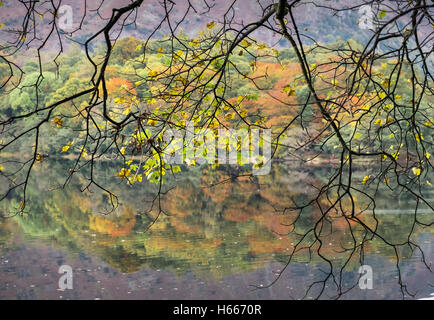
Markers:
<point>226,240</point>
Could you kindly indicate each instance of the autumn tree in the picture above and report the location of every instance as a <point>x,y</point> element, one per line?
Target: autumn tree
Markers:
<point>360,101</point>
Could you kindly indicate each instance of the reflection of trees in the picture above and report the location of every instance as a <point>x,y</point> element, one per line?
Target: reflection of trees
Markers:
<point>209,230</point>
<point>6,237</point>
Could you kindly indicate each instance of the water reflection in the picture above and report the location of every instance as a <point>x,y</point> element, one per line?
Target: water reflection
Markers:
<point>220,240</point>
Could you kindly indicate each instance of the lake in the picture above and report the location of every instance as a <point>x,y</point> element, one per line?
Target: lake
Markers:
<point>216,238</point>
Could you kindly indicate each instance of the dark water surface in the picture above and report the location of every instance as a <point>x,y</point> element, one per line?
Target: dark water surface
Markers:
<point>221,242</point>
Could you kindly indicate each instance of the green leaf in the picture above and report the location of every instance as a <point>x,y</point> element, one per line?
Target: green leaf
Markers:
<point>176,169</point>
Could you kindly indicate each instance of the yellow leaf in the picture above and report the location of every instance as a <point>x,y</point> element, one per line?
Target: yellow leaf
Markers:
<point>191,163</point>
<point>124,173</point>
<point>194,43</point>
<point>382,95</point>
<point>385,83</point>
<point>83,152</point>
<point>335,83</point>
<point>1,168</point>
<point>152,122</point>
<point>153,73</point>
<point>366,178</point>
<point>416,171</point>
<point>119,100</point>
<point>229,116</point>
<point>289,90</point>
<point>151,101</point>
<point>379,122</point>
<point>58,122</point>
<point>427,155</point>
<point>65,148</point>
<point>182,79</point>
<point>176,169</point>
<point>210,25</point>
<point>387,107</point>
<point>2,25</point>
<point>160,50</point>
<point>246,43</point>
